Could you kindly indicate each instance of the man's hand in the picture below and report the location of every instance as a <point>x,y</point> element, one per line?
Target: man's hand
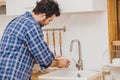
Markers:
<point>61,62</point>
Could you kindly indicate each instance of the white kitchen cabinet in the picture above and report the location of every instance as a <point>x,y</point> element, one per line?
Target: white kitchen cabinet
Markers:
<point>69,6</point>
<point>17,7</point>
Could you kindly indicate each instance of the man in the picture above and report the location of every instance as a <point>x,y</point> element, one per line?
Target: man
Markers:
<point>22,43</point>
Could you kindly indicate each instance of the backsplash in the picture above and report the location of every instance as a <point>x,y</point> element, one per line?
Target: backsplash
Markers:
<point>89,27</point>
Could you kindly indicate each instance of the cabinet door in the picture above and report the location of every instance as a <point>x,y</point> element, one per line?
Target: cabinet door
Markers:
<point>17,7</point>
<point>68,6</point>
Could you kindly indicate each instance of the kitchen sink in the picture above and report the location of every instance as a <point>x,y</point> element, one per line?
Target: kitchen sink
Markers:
<point>69,74</point>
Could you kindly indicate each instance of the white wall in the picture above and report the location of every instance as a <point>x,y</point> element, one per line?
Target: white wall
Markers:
<point>91,30</point>
<point>89,27</point>
<point>3,22</point>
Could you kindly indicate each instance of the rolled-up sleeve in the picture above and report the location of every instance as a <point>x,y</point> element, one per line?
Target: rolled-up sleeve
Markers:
<point>38,47</point>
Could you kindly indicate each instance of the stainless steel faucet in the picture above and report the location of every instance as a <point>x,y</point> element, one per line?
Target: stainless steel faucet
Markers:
<point>79,64</point>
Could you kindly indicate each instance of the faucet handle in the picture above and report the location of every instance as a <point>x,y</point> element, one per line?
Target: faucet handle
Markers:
<point>80,64</point>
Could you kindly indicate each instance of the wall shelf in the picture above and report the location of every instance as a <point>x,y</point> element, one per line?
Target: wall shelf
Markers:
<point>2,4</point>
<point>2,8</point>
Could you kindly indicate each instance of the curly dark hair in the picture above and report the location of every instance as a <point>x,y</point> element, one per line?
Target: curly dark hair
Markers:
<point>49,7</point>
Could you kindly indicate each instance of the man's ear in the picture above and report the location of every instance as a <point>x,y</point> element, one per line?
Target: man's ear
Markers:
<point>42,16</point>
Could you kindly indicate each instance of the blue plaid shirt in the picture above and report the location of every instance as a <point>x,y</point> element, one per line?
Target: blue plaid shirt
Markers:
<point>21,44</point>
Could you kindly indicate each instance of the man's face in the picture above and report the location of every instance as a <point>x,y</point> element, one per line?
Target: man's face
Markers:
<point>46,21</point>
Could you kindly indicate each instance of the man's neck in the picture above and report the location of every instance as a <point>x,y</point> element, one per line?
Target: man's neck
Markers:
<point>35,16</point>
